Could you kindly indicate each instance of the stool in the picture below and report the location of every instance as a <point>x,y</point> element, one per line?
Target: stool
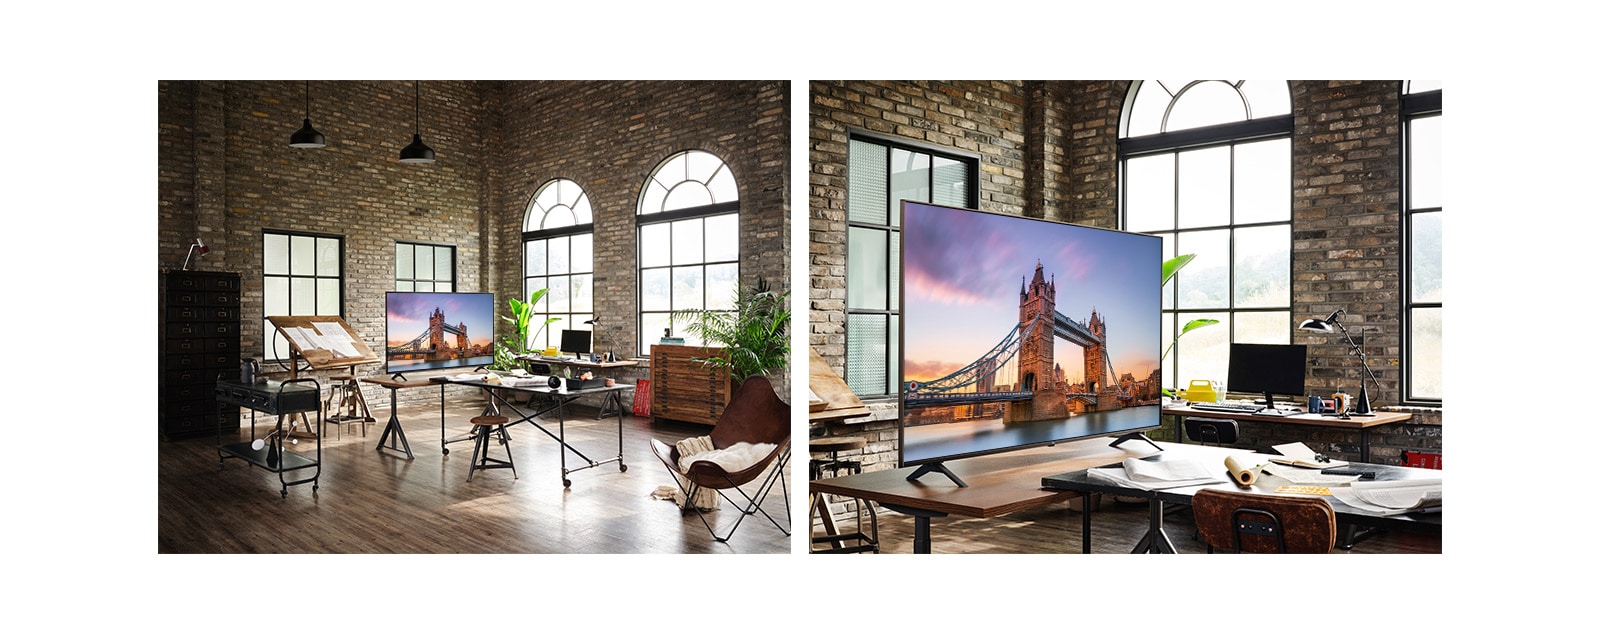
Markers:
<point>345,403</point>
<point>830,467</point>
<point>483,428</point>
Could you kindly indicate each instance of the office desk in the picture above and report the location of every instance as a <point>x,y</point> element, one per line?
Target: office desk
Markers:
<point>1361,423</point>
<point>997,484</point>
<point>584,364</point>
<point>558,398</point>
<point>1156,540</point>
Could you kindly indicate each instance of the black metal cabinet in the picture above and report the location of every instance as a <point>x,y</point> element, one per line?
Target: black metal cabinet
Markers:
<point>199,341</point>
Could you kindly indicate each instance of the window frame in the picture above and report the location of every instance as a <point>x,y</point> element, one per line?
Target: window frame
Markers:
<point>270,334</point>
<point>973,163</point>
<point>1413,106</point>
<point>672,218</point>
<point>454,271</point>
<point>568,231</point>
<point>1230,135</point>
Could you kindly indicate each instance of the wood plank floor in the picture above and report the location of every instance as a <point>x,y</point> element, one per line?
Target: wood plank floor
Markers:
<point>371,501</point>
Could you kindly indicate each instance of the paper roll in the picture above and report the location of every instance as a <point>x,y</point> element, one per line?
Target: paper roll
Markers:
<point>1245,476</point>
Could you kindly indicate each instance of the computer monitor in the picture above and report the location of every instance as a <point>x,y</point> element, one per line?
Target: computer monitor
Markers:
<point>1267,369</point>
<point>575,341</point>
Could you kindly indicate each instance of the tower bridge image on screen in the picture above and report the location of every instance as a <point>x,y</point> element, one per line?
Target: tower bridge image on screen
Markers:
<point>1037,388</point>
<point>432,345</point>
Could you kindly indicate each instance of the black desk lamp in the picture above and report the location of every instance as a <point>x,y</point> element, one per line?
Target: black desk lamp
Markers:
<point>595,324</point>
<point>1363,406</point>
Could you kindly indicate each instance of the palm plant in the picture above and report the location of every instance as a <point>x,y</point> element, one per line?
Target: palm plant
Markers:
<point>1169,269</point>
<point>754,336</point>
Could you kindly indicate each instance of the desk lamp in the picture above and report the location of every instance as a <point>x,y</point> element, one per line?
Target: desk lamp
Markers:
<point>1363,406</point>
<point>203,250</point>
<point>595,325</point>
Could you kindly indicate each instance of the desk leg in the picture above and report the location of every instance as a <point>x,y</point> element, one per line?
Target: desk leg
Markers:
<point>1364,444</point>
<point>1155,539</point>
<point>392,432</point>
<point>1086,511</point>
<point>922,539</point>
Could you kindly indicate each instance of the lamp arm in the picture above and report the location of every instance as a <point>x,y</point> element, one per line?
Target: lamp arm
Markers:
<point>1360,354</point>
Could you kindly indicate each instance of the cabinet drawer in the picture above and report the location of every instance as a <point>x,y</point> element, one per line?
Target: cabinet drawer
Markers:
<point>203,298</point>
<point>208,346</point>
<point>202,329</point>
<point>201,282</point>
<point>201,361</point>
<point>176,313</point>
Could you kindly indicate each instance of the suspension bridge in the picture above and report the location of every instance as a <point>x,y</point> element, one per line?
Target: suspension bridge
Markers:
<point>431,343</point>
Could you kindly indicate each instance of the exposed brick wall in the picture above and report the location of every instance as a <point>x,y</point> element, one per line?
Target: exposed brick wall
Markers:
<point>1060,163</point>
<point>226,173</point>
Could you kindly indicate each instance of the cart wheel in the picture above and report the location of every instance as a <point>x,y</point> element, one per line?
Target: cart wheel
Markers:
<point>566,483</point>
<point>446,451</point>
<point>623,468</point>
<point>284,492</point>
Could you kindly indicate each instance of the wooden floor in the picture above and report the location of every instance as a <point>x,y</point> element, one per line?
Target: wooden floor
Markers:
<point>371,501</point>
<point>1114,528</point>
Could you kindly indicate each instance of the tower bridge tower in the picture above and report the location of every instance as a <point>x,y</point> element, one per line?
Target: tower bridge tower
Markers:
<point>1037,358</point>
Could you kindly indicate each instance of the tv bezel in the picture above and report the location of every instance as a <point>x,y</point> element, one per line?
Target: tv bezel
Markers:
<point>934,463</point>
<point>398,371</point>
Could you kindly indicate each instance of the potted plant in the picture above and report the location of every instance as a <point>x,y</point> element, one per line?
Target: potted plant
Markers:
<point>1169,269</point>
<point>754,336</point>
<point>521,319</point>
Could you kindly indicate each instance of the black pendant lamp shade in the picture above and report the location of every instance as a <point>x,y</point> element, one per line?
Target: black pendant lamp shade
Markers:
<point>307,136</point>
<point>417,152</point>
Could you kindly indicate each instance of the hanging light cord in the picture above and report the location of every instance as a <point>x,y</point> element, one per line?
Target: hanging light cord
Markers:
<point>308,100</point>
<point>416,107</point>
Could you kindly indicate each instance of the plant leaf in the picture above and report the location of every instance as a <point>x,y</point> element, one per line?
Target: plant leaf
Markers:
<point>1196,323</point>
<point>1171,267</point>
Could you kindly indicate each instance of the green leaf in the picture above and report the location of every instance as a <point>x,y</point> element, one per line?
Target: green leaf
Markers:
<point>1171,267</point>
<point>1196,323</point>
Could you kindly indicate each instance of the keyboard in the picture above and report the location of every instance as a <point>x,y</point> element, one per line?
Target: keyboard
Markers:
<point>1242,408</point>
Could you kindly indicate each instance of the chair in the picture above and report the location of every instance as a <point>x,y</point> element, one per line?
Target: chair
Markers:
<point>1217,431</point>
<point>346,404</point>
<point>486,430</point>
<point>865,536</point>
<point>754,414</point>
<point>1254,523</point>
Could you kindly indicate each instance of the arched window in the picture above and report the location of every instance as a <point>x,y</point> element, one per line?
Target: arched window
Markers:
<point>1205,166</point>
<point>688,242</point>
<point>558,255</point>
<point>1422,109</point>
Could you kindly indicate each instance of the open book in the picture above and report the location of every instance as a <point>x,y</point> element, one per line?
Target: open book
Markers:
<point>1393,497</point>
<point>1297,454</point>
<point>1151,475</point>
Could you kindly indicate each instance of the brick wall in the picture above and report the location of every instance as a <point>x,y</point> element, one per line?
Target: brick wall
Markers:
<point>226,173</point>
<point>1049,150</point>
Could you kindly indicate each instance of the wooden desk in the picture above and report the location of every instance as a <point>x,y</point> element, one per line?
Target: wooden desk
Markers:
<point>1155,539</point>
<point>996,484</point>
<point>1360,423</point>
<point>559,399</point>
<point>585,364</point>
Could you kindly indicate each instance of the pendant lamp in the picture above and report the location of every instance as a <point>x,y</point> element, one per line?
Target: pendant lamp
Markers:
<point>307,136</point>
<point>417,152</point>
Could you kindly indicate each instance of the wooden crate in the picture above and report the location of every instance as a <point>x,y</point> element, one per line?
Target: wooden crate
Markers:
<point>684,389</point>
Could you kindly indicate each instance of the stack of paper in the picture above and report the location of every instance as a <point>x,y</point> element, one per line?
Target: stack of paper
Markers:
<point>1394,497</point>
<point>1151,475</point>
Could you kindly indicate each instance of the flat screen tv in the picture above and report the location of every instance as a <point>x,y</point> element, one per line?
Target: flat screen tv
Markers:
<point>434,331</point>
<point>1267,369</point>
<point>1018,332</point>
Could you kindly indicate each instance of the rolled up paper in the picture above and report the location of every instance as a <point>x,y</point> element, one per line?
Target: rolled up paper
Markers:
<point>1245,476</point>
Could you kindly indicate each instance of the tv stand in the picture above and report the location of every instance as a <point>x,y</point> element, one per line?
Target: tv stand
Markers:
<point>1138,435</point>
<point>936,467</point>
<point>398,376</point>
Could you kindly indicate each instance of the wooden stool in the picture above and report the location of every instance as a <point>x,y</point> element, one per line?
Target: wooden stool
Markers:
<point>345,403</point>
<point>832,466</point>
<point>483,427</point>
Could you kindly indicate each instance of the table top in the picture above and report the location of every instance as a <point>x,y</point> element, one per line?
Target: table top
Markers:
<point>997,484</point>
<point>394,384</point>
<point>578,363</point>
<point>539,389</point>
<point>841,402</point>
<point>1353,422</point>
<point>1079,480</point>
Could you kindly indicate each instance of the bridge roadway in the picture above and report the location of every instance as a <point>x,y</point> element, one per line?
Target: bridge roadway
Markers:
<point>970,398</point>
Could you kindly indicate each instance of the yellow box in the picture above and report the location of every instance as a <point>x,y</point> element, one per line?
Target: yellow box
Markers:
<point>1201,391</point>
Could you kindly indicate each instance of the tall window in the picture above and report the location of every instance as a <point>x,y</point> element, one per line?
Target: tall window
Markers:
<point>1205,166</point>
<point>883,173</point>
<point>301,274</point>
<point>1422,108</point>
<point>558,255</point>
<point>424,267</point>
<point>688,242</point>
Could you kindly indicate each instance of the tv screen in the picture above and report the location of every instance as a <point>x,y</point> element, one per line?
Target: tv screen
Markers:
<point>431,331</point>
<point>575,341</point>
<point>1018,332</point>
<point>1267,369</point>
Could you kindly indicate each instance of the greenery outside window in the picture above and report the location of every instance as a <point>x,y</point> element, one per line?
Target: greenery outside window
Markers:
<point>1422,109</point>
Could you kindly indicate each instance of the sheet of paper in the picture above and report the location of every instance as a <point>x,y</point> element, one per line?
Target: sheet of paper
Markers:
<point>298,335</point>
<point>1299,475</point>
<point>337,339</point>
<point>1296,451</point>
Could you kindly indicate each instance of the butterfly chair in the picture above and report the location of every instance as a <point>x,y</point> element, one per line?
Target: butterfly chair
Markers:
<point>1256,523</point>
<point>754,415</point>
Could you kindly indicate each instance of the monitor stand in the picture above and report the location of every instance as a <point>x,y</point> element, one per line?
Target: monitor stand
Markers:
<point>397,377</point>
<point>1138,435</point>
<point>936,467</point>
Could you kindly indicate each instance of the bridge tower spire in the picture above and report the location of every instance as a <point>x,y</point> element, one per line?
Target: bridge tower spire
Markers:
<point>1036,358</point>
